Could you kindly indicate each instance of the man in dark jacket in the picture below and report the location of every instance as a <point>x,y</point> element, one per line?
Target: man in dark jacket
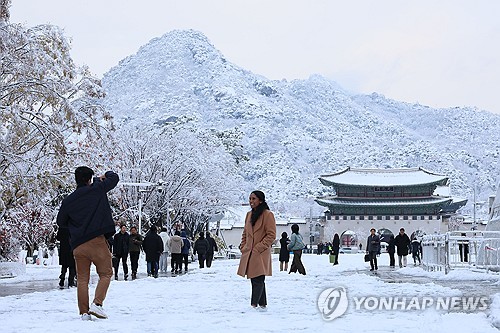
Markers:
<point>87,215</point>
<point>201,247</point>
<point>402,242</point>
<point>153,248</point>
<point>120,251</point>
<point>212,248</point>
<point>373,248</point>
<point>135,250</point>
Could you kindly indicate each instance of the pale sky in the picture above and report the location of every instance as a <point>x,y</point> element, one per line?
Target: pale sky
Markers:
<point>439,53</point>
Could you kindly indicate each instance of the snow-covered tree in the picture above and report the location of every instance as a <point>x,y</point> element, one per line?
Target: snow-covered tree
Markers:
<point>198,175</point>
<point>50,117</point>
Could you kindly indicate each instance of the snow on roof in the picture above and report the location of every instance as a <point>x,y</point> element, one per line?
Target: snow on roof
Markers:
<point>383,177</point>
<point>335,201</point>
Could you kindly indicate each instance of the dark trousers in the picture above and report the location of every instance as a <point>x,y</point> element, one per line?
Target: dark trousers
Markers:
<point>152,267</point>
<point>209,259</point>
<point>201,259</point>
<point>392,260</point>
<point>297,263</point>
<point>71,276</point>
<point>134,261</point>
<point>373,260</point>
<point>185,259</point>
<point>116,263</point>
<point>176,262</point>
<point>258,291</point>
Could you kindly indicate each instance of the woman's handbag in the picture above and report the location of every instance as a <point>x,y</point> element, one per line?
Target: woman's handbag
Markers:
<point>332,258</point>
<point>367,257</point>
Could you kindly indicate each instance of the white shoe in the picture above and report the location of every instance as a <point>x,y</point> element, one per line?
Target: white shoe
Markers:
<point>97,311</point>
<point>262,309</point>
<point>86,317</point>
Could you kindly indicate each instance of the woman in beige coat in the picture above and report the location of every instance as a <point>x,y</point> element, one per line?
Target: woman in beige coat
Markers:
<point>258,236</point>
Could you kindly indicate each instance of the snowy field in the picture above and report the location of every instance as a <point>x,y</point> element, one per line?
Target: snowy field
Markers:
<point>217,300</point>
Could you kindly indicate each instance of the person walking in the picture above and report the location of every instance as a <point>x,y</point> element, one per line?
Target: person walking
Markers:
<point>87,215</point>
<point>391,249</point>
<point>373,248</point>
<point>259,234</point>
<point>153,248</point>
<point>416,250</point>
<point>66,259</point>
<point>135,247</point>
<point>186,245</point>
<point>164,255</point>
<point>336,248</point>
<point>296,245</point>
<point>121,242</point>
<point>402,242</point>
<point>212,248</point>
<point>284,252</point>
<point>201,247</point>
<point>176,244</point>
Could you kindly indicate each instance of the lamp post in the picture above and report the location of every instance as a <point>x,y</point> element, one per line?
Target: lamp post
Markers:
<point>159,187</point>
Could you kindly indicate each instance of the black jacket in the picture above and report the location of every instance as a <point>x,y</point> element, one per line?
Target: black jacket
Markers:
<point>373,244</point>
<point>201,246</point>
<point>403,244</point>
<point>212,246</point>
<point>336,245</point>
<point>152,246</point>
<point>391,247</point>
<point>121,244</point>
<point>86,212</point>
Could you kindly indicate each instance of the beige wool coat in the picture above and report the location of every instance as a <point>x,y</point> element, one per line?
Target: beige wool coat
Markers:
<point>256,245</point>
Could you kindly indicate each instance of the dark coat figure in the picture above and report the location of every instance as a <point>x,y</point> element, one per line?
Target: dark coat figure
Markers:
<point>201,247</point>
<point>284,252</point>
<point>391,249</point>
<point>373,248</point>
<point>186,245</point>
<point>135,248</point>
<point>402,242</point>
<point>153,248</point>
<point>121,243</point>
<point>212,248</point>
<point>336,248</point>
<point>463,249</point>
<point>416,250</point>
<point>66,259</point>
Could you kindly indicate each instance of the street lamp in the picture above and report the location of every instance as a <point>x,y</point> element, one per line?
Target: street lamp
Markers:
<point>159,187</point>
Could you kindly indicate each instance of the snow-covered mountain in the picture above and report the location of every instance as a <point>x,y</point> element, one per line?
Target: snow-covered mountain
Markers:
<point>291,132</point>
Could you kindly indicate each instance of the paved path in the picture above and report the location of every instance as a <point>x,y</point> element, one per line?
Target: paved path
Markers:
<point>487,286</point>
<point>46,285</point>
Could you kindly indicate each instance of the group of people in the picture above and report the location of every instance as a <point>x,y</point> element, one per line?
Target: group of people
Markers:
<point>157,248</point>
<point>86,230</point>
<point>401,244</point>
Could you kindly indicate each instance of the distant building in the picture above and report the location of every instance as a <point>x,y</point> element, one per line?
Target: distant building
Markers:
<point>387,200</point>
<point>231,225</point>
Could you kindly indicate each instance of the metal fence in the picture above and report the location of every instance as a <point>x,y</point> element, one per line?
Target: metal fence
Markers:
<point>461,249</point>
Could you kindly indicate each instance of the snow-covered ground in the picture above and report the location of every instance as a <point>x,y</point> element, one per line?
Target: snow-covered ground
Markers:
<point>217,300</point>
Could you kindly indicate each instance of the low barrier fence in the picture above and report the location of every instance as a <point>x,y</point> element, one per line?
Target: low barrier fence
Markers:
<point>461,249</point>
